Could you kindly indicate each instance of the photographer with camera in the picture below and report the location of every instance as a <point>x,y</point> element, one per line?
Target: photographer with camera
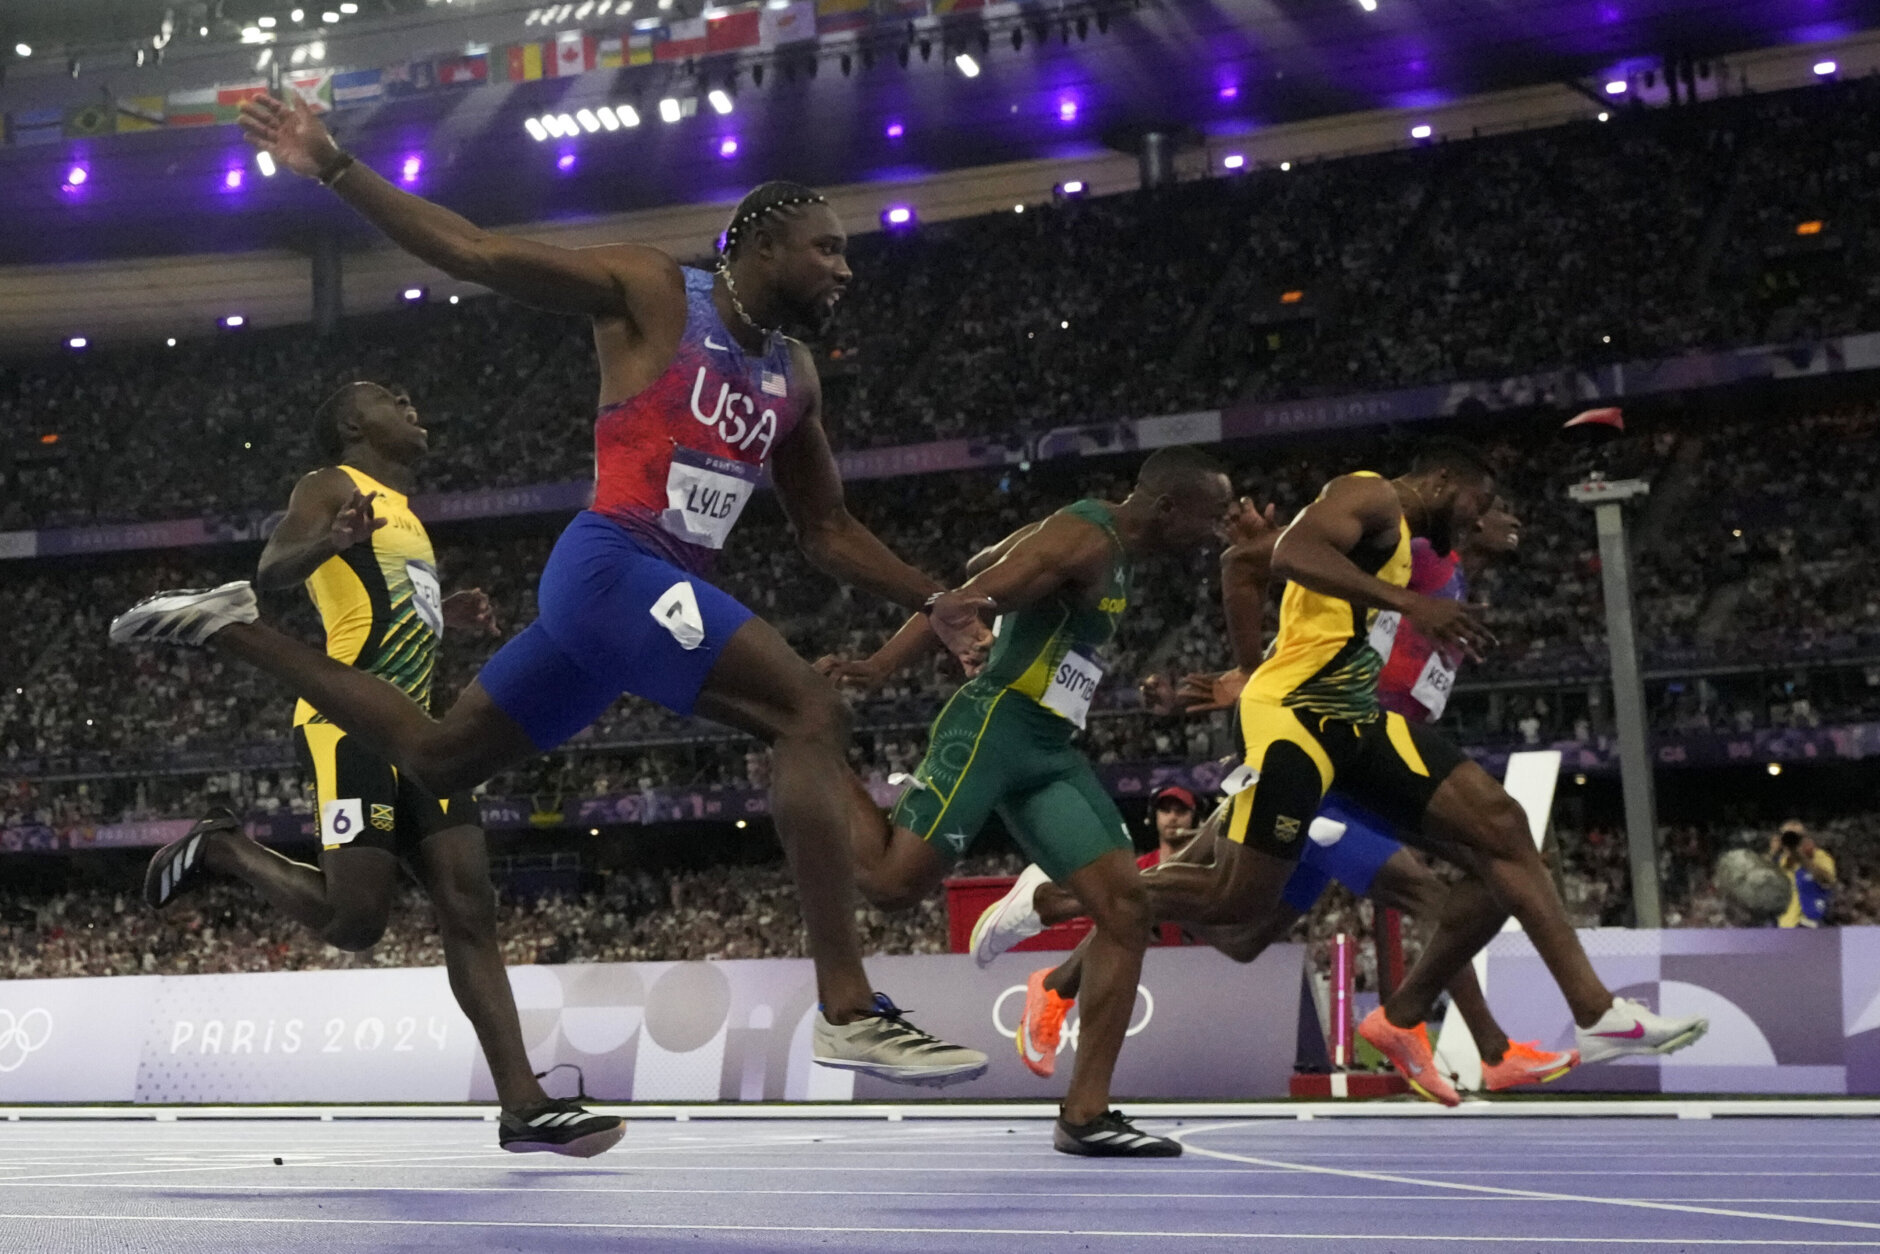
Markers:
<point>1810,872</point>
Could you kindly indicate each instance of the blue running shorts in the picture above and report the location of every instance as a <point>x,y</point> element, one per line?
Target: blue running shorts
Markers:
<point>1354,860</point>
<point>613,619</point>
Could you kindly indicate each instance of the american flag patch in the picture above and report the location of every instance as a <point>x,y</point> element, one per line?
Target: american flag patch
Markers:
<point>773,384</point>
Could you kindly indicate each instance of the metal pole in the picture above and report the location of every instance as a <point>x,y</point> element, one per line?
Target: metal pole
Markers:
<point>1628,708</point>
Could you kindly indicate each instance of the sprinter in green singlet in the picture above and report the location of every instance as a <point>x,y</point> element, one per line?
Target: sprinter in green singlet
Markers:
<point>1053,591</point>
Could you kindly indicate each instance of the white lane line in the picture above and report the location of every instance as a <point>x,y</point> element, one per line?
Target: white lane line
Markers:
<point>1054,1195</point>
<point>861,1230</point>
<point>1537,1195</point>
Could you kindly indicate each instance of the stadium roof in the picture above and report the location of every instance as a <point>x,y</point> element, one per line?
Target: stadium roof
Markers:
<point>1208,67</point>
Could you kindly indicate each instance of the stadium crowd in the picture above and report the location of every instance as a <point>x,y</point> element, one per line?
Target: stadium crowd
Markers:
<point>749,911</point>
<point>1554,249</point>
<point>1726,548</point>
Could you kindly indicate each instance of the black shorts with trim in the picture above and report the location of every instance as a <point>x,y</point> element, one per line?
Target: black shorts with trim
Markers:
<point>363,801</point>
<point>1387,764</point>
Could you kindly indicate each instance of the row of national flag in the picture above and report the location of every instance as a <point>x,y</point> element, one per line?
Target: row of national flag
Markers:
<point>568,53</point>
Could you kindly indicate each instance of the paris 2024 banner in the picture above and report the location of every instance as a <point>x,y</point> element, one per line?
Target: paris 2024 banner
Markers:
<point>647,1032</point>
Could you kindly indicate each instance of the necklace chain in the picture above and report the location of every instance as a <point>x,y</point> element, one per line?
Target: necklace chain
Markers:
<point>731,290</point>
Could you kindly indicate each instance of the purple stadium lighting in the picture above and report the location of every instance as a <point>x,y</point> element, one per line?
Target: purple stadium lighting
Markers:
<point>409,171</point>
<point>76,176</point>
<point>896,216</point>
<point>565,163</point>
<point>896,130</point>
<point>1229,92</point>
<point>1421,130</point>
<point>232,180</point>
<point>1067,110</point>
<point>1234,161</point>
<point>1071,187</point>
<point>1825,68</point>
<point>1616,87</point>
<point>728,147</point>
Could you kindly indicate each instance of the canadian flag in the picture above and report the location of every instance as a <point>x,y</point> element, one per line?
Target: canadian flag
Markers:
<point>574,53</point>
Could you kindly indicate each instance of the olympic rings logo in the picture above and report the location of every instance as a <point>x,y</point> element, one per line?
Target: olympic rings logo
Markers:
<point>21,1036</point>
<point>1145,1000</point>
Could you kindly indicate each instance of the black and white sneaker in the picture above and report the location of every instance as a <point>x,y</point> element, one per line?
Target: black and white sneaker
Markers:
<point>188,616</point>
<point>559,1127</point>
<point>180,864</point>
<point>1111,1135</point>
<point>886,1045</point>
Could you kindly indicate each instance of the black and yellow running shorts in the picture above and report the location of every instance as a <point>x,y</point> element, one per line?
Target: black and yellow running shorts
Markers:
<point>1388,765</point>
<point>994,749</point>
<point>366,802</point>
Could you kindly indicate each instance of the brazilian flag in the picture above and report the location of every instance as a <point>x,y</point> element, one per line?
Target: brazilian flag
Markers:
<point>91,119</point>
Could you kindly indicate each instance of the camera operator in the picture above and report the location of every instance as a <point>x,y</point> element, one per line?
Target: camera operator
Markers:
<point>1810,871</point>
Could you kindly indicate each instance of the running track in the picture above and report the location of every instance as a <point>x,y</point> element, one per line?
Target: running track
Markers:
<point>948,1186</point>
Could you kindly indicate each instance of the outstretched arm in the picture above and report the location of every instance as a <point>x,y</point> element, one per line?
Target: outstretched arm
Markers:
<point>326,515</point>
<point>1062,551</point>
<point>809,487</point>
<point>623,280</point>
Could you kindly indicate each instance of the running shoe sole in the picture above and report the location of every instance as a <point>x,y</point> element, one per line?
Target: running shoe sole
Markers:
<point>186,617</point>
<point>924,1077</point>
<point>1690,1036</point>
<point>581,1147</point>
<point>1533,1078</point>
<point>1118,1144</point>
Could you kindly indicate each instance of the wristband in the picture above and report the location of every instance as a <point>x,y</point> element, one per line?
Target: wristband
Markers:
<point>335,170</point>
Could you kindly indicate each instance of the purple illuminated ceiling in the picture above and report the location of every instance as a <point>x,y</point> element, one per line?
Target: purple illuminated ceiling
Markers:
<point>1213,66</point>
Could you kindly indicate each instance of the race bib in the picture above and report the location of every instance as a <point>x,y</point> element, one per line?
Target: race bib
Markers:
<point>1433,685</point>
<point>1384,632</point>
<point>1072,686</point>
<point>1239,780</point>
<point>341,821</point>
<point>426,596</point>
<point>704,496</point>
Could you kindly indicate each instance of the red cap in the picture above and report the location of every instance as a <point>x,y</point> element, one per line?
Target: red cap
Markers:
<point>1612,418</point>
<point>1175,792</point>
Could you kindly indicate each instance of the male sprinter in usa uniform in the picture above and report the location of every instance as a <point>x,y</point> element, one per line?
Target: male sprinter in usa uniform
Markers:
<point>349,535</point>
<point>700,394</point>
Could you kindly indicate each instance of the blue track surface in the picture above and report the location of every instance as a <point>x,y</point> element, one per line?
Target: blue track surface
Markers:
<point>943,1186</point>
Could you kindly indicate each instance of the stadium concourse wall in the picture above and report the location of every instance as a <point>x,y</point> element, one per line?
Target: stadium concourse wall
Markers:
<point>1791,1012</point>
<point>1554,389</point>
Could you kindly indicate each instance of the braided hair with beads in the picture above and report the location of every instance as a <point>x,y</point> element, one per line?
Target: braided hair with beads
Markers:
<point>778,198</point>
<point>760,203</point>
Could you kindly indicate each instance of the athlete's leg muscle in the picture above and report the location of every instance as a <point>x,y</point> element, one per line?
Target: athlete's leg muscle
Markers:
<point>456,867</point>
<point>469,744</point>
<point>346,900</point>
<point>1119,907</point>
<point>760,686</point>
<point>1405,883</point>
<point>894,868</point>
<point>1471,810</point>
